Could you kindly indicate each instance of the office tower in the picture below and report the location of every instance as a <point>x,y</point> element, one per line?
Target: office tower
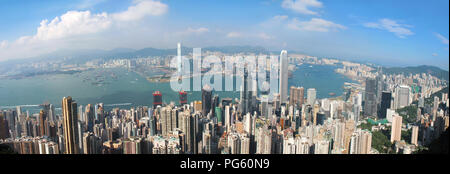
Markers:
<point>402,96</point>
<point>42,120</point>
<point>4,130</point>
<point>198,106</point>
<point>206,99</point>
<point>90,118</point>
<point>165,116</point>
<point>385,104</point>
<point>284,71</point>
<point>396,130</point>
<point>415,135</point>
<point>370,99</point>
<point>311,96</point>
<point>435,107</point>
<point>218,114</point>
<point>157,99</point>
<point>70,121</point>
<point>244,106</point>
<point>183,97</point>
<point>296,96</point>
<point>227,117</point>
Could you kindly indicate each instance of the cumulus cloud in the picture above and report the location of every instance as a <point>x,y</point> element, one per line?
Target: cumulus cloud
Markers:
<point>302,6</point>
<point>315,24</point>
<point>443,39</point>
<point>141,9</point>
<point>400,30</point>
<point>73,25</point>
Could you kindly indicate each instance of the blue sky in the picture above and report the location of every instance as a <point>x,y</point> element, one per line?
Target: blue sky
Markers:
<point>394,33</point>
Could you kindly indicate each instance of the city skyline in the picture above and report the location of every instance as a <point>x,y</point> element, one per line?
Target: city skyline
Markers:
<point>353,32</point>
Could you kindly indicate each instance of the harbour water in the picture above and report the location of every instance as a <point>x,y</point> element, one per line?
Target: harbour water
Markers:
<point>124,89</point>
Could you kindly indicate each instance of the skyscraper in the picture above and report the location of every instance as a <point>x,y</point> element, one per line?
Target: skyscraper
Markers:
<point>311,96</point>
<point>157,99</point>
<point>370,99</point>
<point>396,130</point>
<point>70,122</point>
<point>415,135</point>
<point>245,93</point>
<point>296,96</point>
<point>206,99</point>
<point>183,97</point>
<point>385,104</point>
<point>402,96</point>
<point>284,70</point>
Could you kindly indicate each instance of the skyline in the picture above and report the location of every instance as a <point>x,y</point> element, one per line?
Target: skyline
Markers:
<point>325,28</point>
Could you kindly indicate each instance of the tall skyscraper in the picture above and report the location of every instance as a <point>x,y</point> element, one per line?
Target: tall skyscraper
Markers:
<point>402,96</point>
<point>245,93</point>
<point>396,130</point>
<point>206,99</point>
<point>70,122</point>
<point>370,99</point>
<point>385,104</point>
<point>42,120</point>
<point>284,71</point>
<point>311,96</point>
<point>296,96</point>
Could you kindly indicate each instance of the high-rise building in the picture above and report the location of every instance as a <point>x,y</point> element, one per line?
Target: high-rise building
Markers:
<point>396,130</point>
<point>370,98</point>
<point>42,120</point>
<point>70,122</point>
<point>415,135</point>
<point>245,100</point>
<point>311,96</point>
<point>206,99</point>
<point>402,96</point>
<point>183,97</point>
<point>385,104</point>
<point>296,96</point>
<point>3,127</point>
<point>284,72</point>
<point>157,99</point>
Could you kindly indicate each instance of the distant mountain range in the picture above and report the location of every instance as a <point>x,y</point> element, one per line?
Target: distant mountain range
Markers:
<point>434,71</point>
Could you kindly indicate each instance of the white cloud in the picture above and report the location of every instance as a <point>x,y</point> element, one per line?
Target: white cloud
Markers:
<point>400,30</point>
<point>280,17</point>
<point>234,35</point>
<point>3,44</point>
<point>141,9</point>
<point>443,39</point>
<point>79,27</point>
<point>198,30</point>
<point>434,55</point>
<point>315,24</point>
<point>265,36</point>
<point>302,6</point>
<point>71,24</point>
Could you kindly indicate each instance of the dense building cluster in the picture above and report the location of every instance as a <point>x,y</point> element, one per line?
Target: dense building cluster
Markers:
<point>287,123</point>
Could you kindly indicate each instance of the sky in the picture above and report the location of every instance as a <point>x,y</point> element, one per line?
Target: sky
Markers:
<point>386,32</point>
